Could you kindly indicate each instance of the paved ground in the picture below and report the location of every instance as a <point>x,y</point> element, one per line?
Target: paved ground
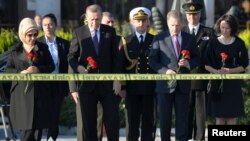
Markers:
<point>71,136</point>
<point>65,137</point>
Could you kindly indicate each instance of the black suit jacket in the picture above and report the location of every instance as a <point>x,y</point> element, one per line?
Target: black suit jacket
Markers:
<point>108,60</point>
<point>162,57</point>
<point>202,38</point>
<point>141,54</point>
<point>63,50</point>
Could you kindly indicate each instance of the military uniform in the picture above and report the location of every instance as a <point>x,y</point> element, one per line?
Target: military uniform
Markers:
<point>140,98</point>
<point>197,101</point>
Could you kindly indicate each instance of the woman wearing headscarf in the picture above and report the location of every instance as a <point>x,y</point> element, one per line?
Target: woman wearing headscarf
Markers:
<point>30,100</point>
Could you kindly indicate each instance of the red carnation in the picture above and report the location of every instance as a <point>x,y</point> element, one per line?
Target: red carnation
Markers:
<point>224,57</point>
<point>185,54</point>
<point>32,57</point>
<point>91,63</point>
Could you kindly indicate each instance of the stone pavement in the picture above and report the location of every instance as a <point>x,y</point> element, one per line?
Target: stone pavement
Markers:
<point>71,135</point>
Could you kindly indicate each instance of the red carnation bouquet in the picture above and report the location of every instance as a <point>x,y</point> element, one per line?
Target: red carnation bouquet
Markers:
<point>32,57</point>
<point>224,57</point>
<point>91,63</point>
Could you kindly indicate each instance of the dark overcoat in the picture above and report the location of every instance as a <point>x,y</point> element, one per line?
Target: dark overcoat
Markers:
<point>31,110</point>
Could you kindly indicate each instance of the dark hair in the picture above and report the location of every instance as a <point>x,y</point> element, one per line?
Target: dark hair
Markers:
<point>52,17</point>
<point>232,22</point>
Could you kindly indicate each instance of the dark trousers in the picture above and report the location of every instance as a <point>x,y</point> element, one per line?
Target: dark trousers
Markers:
<point>155,119</point>
<point>166,101</point>
<point>80,130</point>
<point>57,104</point>
<point>110,104</point>
<point>197,115</point>
<point>31,135</point>
<point>140,110</point>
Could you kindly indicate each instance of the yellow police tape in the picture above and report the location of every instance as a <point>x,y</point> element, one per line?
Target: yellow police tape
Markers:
<point>103,77</point>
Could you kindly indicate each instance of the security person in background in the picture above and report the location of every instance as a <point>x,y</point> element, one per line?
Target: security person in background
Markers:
<point>140,95</point>
<point>197,101</point>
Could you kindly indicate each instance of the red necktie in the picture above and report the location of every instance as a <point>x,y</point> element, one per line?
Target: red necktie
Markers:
<point>177,45</point>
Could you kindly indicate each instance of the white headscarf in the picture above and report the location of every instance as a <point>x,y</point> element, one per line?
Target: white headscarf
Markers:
<point>26,25</point>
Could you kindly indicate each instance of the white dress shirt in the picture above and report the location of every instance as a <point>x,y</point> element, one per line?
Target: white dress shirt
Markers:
<point>53,49</point>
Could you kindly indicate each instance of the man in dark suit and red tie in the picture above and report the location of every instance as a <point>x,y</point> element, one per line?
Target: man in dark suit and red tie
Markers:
<point>197,101</point>
<point>173,52</point>
<point>98,42</point>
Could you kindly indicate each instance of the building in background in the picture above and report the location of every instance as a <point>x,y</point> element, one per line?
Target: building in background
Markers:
<point>68,12</point>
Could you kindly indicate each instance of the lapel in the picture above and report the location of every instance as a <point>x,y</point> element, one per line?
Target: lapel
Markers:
<point>147,40</point>
<point>21,55</point>
<point>136,44</point>
<point>184,41</point>
<point>21,58</point>
<point>199,34</point>
<point>60,48</point>
<point>87,41</point>
<point>102,38</point>
<point>170,45</point>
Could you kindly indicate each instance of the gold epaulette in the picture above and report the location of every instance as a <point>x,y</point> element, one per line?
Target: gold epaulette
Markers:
<point>132,61</point>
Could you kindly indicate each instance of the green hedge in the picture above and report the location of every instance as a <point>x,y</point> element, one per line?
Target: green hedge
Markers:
<point>245,36</point>
<point>7,38</point>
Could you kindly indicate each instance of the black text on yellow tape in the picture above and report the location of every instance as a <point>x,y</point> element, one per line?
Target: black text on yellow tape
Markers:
<point>105,77</point>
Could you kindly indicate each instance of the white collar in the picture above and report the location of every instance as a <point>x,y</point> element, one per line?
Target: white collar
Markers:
<point>179,35</point>
<point>139,34</point>
<point>91,29</point>
<point>196,27</point>
<point>47,40</point>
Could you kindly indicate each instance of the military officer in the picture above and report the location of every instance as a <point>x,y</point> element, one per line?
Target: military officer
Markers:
<point>197,102</point>
<point>140,95</point>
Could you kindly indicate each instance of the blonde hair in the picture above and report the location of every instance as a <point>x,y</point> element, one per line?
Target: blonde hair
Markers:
<point>173,14</point>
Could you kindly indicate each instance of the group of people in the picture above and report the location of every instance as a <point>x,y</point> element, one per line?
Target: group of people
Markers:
<point>95,48</point>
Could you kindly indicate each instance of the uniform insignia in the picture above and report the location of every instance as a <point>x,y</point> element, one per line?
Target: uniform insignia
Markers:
<point>191,8</point>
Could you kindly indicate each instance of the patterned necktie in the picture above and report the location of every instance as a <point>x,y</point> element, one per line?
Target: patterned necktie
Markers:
<point>177,46</point>
<point>95,41</point>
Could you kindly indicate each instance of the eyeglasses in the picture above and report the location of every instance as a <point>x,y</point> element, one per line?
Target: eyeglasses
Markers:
<point>32,35</point>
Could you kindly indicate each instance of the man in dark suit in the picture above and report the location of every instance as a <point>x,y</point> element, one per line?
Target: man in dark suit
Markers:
<point>197,101</point>
<point>98,42</point>
<point>140,95</point>
<point>166,57</point>
<point>59,49</point>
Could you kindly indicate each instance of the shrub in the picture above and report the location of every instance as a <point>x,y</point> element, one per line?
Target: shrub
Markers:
<point>245,36</point>
<point>7,39</point>
<point>68,113</point>
<point>67,35</point>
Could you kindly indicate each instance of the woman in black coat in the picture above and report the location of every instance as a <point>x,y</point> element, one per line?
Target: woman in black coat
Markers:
<point>30,100</point>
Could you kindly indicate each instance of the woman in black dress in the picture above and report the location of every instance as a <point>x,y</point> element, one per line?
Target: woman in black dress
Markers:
<point>226,54</point>
<point>30,101</point>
